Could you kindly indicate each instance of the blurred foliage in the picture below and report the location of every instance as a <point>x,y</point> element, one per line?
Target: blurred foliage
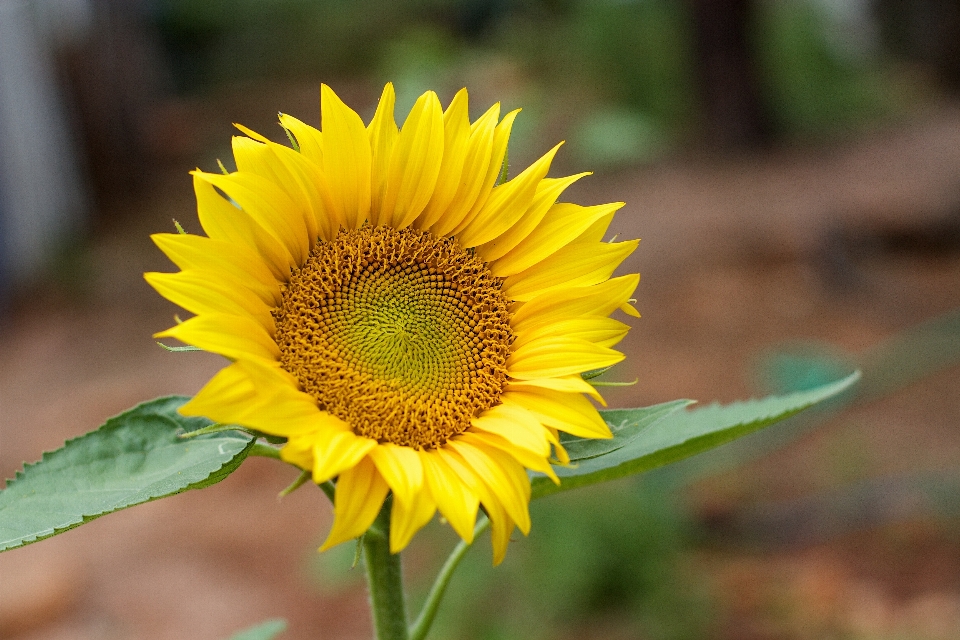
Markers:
<point>608,66</point>
<point>632,54</point>
<point>902,360</point>
<point>216,41</point>
<point>263,631</point>
<point>613,553</point>
<point>819,78</point>
<point>887,368</point>
<point>615,136</point>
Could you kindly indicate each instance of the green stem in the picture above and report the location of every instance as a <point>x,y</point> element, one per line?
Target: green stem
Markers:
<point>262,450</point>
<point>384,580</point>
<point>328,488</point>
<point>296,484</point>
<point>422,626</point>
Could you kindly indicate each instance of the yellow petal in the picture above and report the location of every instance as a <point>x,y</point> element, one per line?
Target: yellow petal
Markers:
<point>408,518</point>
<point>347,159</point>
<point>569,412</point>
<point>232,264</point>
<point>562,225</point>
<point>498,156</point>
<point>298,452</point>
<point>562,304</point>
<point>253,157</point>
<point>516,425</point>
<point>221,219</point>
<point>501,136</point>
<point>401,468</point>
<point>259,396</point>
<point>600,330</point>
<point>383,134</point>
<point>502,529</point>
<point>198,293</point>
<point>297,176</point>
<point>559,452</point>
<point>360,494</point>
<point>233,337</point>
<point>568,384</point>
<point>280,408</point>
<point>308,138</point>
<point>559,356</point>
<point>313,183</point>
<point>250,133</point>
<point>473,178</point>
<point>225,221</point>
<point>533,461</point>
<point>270,207</point>
<point>456,139</point>
<point>225,398</point>
<point>455,500</point>
<point>507,203</point>
<point>575,265</point>
<point>415,164</point>
<point>597,231</point>
<point>270,377</point>
<point>335,451</point>
<point>290,419</point>
<point>548,191</point>
<point>503,475</point>
<point>630,310</point>
<point>501,523</point>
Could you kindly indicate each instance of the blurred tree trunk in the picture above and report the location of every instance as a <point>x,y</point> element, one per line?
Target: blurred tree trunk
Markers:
<point>926,31</point>
<point>733,111</point>
<point>43,202</point>
<point>116,80</point>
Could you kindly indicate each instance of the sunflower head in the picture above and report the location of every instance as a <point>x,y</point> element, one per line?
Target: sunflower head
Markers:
<point>403,335</point>
<point>406,322</point>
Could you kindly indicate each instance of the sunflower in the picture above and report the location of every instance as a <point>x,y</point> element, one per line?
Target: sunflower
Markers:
<point>410,322</point>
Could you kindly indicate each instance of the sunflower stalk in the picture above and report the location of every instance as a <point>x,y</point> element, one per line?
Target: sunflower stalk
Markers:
<point>261,450</point>
<point>384,580</point>
<point>421,627</point>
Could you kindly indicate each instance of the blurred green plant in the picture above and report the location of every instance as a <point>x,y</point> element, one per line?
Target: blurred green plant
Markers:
<point>215,41</point>
<point>621,66</point>
<point>264,631</point>
<point>613,552</point>
<point>815,85</point>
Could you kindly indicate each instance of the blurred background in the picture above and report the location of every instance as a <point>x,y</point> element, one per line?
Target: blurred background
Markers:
<point>793,168</point>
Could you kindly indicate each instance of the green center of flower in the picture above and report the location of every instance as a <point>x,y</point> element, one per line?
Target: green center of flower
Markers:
<point>403,335</point>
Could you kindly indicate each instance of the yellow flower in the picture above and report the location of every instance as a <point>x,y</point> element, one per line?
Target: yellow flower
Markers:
<point>408,324</point>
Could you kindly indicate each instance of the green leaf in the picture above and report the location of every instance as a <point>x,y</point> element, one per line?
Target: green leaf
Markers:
<point>625,424</point>
<point>135,457</point>
<point>675,434</point>
<point>595,373</point>
<point>263,631</point>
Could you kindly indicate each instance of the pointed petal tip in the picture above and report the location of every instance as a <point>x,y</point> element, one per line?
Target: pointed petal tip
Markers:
<point>630,310</point>
<point>388,93</point>
<point>250,133</point>
<point>328,544</point>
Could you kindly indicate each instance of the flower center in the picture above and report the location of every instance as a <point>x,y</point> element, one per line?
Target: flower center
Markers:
<point>401,334</point>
